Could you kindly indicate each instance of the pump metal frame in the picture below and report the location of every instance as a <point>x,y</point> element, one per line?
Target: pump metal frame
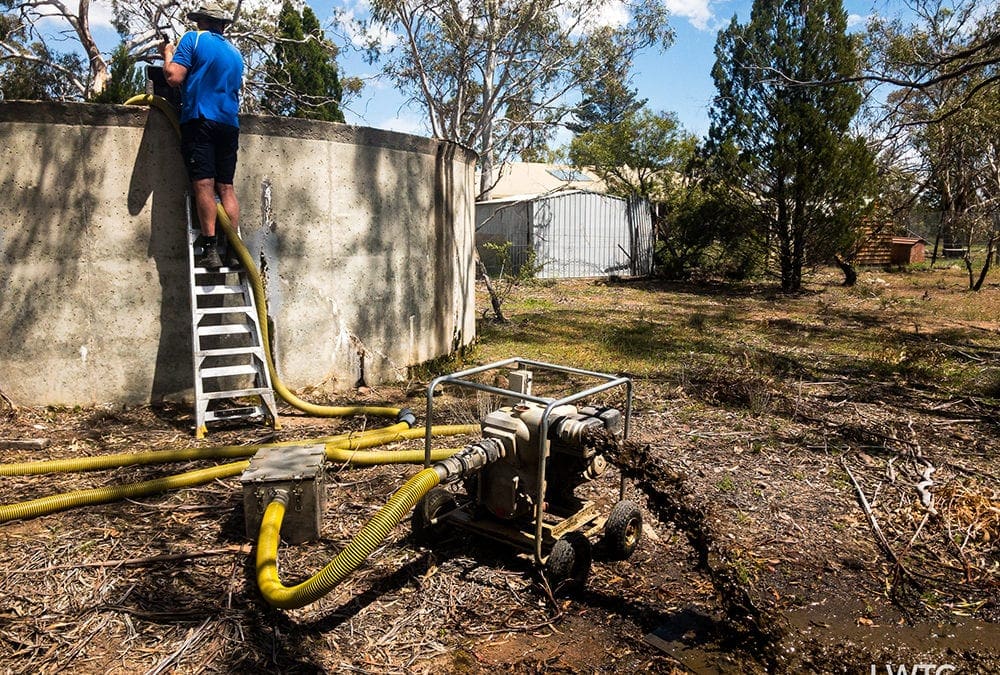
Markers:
<point>458,379</point>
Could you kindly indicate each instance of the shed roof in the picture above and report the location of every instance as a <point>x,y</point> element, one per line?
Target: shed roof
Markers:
<point>551,195</point>
<point>531,179</point>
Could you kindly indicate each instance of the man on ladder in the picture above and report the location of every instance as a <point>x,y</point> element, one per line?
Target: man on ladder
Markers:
<point>210,71</point>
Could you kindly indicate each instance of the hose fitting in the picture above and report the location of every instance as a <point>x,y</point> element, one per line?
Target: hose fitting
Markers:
<point>469,460</point>
<point>406,415</point>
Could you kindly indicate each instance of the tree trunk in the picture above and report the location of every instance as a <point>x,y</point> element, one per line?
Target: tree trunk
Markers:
<point>97,65</point>
<point>494,298</point>
<point>850,274</point>
<point>990,246</point>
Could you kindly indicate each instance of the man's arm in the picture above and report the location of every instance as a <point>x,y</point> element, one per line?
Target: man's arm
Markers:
<point>174,72</point>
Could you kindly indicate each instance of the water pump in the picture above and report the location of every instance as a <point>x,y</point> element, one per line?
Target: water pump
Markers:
<point>520,479</point>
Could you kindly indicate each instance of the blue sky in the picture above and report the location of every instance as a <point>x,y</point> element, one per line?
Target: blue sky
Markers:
<point>677,80</point>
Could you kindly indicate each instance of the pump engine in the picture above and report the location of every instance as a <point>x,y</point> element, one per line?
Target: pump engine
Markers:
<point>508,488</point>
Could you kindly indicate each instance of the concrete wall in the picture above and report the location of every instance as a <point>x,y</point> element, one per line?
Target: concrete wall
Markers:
<point>365,240</point>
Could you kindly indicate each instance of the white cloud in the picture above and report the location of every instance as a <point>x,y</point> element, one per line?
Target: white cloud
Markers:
<point>100,15</point>
<point>698,12</point>
<point>362,32</point>
<point>855,20</point>
<point>404,123</point>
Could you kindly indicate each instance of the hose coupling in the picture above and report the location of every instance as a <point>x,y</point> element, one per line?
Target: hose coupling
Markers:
<point>277,495</point>
<point>406,415</point>
<point>469,460</point>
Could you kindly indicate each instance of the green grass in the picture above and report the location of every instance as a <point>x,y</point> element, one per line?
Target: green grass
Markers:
<point>921,327</point>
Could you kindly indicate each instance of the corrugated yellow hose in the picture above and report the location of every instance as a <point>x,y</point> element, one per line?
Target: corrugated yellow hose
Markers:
<point>343,450</point>
<point>258,290</point>
<point>360,547</point>
<point>114,493</point>
<point>349,441</point>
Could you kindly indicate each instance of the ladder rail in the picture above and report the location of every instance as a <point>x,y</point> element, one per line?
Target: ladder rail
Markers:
<point>219,362</point>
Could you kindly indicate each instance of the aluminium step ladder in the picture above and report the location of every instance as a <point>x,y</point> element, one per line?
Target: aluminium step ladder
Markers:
<point>229,359</point>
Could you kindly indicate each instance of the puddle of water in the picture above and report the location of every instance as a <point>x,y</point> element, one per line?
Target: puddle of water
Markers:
<point>830,624</point>
<point>691,638</point>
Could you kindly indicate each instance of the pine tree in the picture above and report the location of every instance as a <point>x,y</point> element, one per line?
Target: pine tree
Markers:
<point>302,75</point>
<point>607,97</point>
<point>781,128</point>
<point>125,80</point>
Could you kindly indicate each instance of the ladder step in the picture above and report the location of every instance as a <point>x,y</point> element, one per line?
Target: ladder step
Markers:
<point>230,351</point>
<point>227,329</point>
<point>228,371</point>
<point>234,413</point>
<point>236,393</point>
<point>217,270</point>
<point>215,289</point>
<point>235,309</point>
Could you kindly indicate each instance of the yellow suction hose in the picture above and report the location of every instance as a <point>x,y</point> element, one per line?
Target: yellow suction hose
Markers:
<point>337,449</point>
<point>343,451</point>
<point>114,493</point>
<point>258,290</point>
<point>360,547</point>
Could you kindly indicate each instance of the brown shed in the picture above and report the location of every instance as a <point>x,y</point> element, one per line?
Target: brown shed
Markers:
<point>907,250</point>
<point>883,249</point>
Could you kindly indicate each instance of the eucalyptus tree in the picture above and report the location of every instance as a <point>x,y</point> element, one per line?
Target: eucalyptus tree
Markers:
<point>68,29</point>
<point>787,148</point>
<point>942,63</point>
<point>41,41</point>
<point>498,75</point>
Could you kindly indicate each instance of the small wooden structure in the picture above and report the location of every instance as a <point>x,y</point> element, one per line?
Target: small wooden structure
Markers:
<point>883,249</point>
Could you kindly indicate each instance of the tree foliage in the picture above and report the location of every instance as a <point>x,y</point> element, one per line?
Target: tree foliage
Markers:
<point>495,75</point>
<point>124,78</point>
<point>638,155</point>
<point>607,95</point>
<point>302,78</point>
<point>946,128</point>
<point>787,149</point>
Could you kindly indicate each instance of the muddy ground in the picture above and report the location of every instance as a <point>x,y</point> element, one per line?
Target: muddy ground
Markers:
<point>829,520</point>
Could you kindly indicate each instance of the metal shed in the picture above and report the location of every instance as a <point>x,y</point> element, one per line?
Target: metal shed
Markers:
<point>568,234</point>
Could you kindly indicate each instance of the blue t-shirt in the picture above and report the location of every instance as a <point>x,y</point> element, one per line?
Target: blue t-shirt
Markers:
<point>215,74</point>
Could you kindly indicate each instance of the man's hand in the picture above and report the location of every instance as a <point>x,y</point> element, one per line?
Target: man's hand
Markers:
<point>166,51</point>
<point>175,73</point>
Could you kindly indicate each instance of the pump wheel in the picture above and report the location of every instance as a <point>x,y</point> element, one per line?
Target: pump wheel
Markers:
<point>623,530</point>
<point>568,565</point>
<point>433,504</point>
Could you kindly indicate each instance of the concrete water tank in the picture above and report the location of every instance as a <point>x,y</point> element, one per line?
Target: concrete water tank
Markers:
<point>364,238</point>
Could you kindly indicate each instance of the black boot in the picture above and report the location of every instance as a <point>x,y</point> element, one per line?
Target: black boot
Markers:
<point>209,257</point>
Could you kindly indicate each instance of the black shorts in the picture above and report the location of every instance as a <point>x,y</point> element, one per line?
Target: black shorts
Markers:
<point>209,149</point>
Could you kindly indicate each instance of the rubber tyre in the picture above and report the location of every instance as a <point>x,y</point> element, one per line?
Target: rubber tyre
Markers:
<point>430,506</point>
<point>623,530</point>
<point>568,564</point>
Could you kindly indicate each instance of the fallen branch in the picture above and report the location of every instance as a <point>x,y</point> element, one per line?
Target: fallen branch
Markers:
<point>882,541</point>
<point>23,443</point>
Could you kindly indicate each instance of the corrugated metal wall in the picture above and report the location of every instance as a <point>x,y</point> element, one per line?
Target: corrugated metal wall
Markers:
<point>574,234</point>
<point>503,221</point>
<point>583,234</point>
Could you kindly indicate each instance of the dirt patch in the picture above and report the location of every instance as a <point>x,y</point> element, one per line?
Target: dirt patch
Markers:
<point>754,442</point>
